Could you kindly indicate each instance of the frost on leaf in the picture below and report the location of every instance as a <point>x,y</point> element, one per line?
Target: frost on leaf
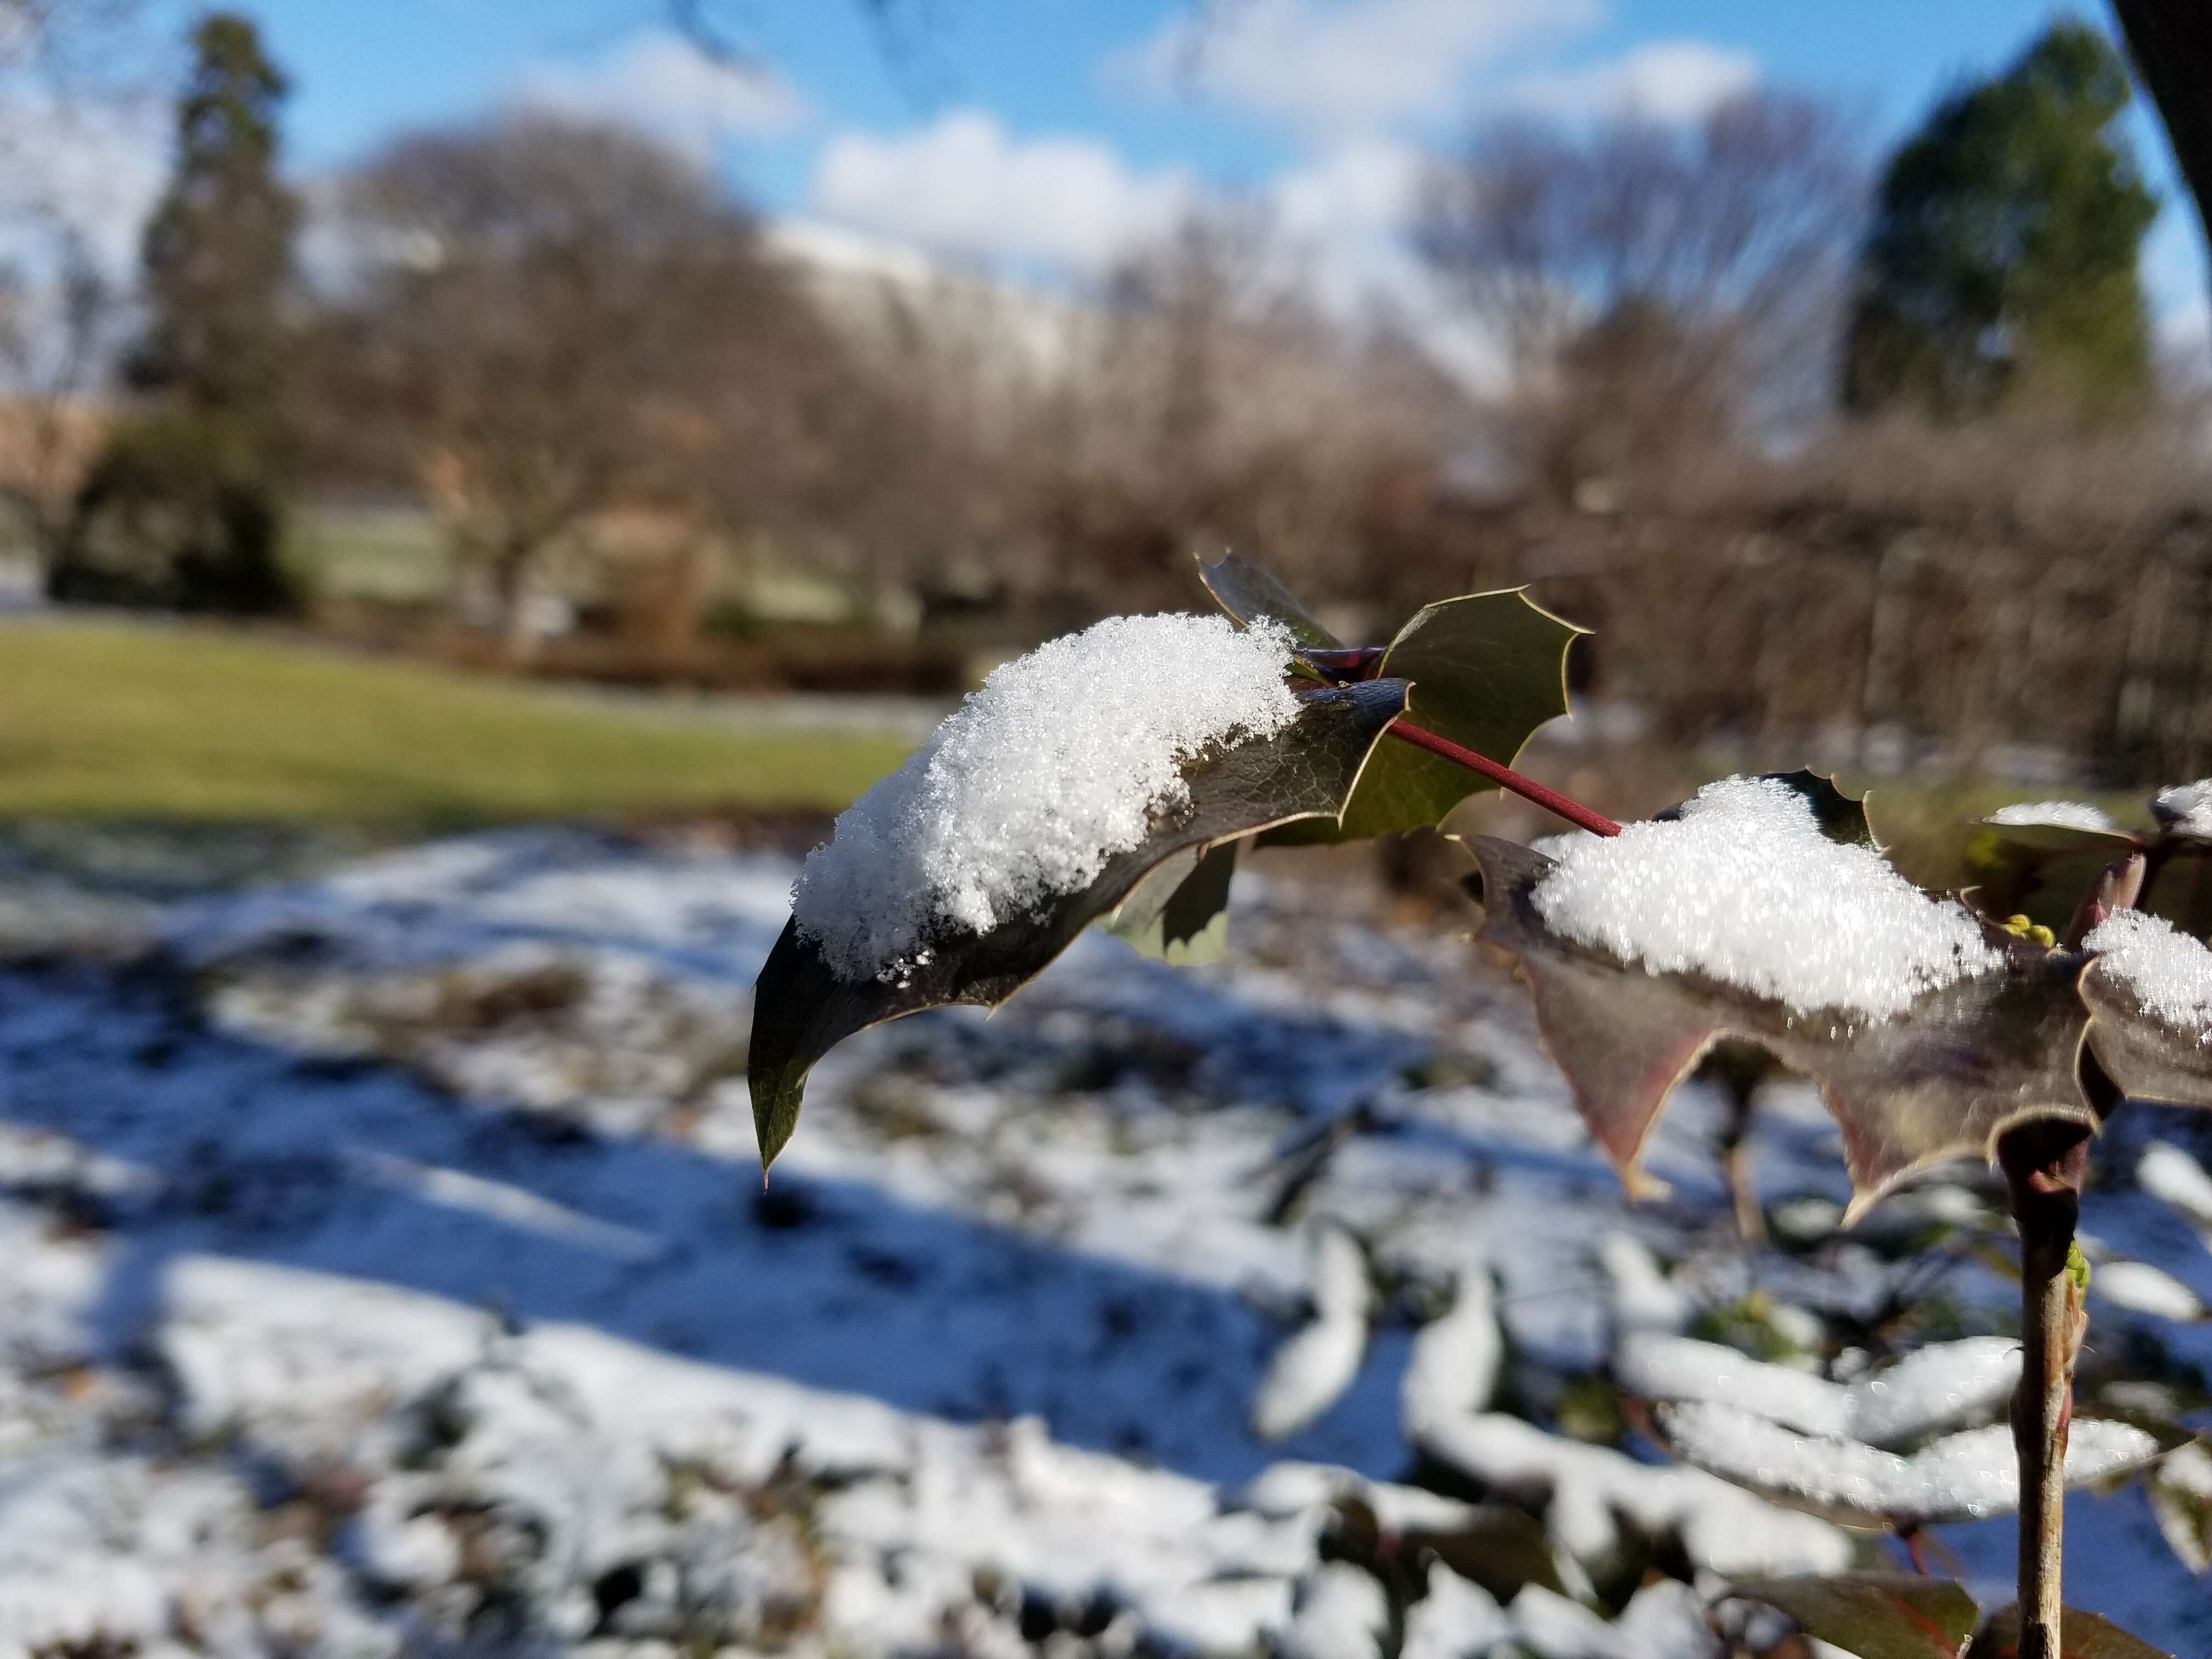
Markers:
<point>1485,669</point>
<point>1927,1035</point>
<point>809,998</point>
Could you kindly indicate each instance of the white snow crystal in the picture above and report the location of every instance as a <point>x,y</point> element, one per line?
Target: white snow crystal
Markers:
<point>1742,887</point>
<point>2169,973</point>
<point>2186,809</point>
<point>1056,764</point>
<point>2059,814</point>
<point>1975,1473</point>
<point>2140,1288</point>
<point>2167,1173</point>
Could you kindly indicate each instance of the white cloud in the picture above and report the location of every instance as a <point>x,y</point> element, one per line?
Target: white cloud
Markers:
<point>95,168</point>
<point>1666,81</point>
<point>1363,185</point>
<point>1346,65</point>
<point>661,82</point>
<point>962,185</point>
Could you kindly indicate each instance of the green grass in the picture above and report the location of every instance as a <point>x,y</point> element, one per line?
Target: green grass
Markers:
<point>194,725</point>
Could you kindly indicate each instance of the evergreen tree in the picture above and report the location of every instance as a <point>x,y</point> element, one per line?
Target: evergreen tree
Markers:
<point>2001,269</point>
<point>184,508</point>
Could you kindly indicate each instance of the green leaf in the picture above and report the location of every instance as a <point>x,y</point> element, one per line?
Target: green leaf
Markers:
<point>802,1008</point>
<point>2081,1635</point>
<point>1943,1080</point>
<point>1502,1548</point>
<point>1248,593</point>
<point>1486,671</point>
<point>1179,913</point>
<point>1875,1615</point>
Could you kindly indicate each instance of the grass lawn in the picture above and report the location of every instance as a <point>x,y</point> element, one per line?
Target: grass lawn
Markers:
<point>190,724</point>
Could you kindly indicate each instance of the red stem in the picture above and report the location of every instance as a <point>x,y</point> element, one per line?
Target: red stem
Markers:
<point>1505,777</point>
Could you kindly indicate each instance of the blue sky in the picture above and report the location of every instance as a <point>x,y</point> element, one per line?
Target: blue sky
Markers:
<point>1046,135</point>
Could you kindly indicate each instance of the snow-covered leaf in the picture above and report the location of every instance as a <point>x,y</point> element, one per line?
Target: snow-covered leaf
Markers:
<point>1455,1359</point>
<point>2150,995</point>
<point>1455,1619</point>
<point>2138,1287</point>
<point>1934,1389</point>
<point>1588,1493</point>
<point>1961,1477</point>
<point>803,1006</point>
<point>1337,1611</point>
<point>1875,1615</point>
<point>2055,827</point>
<point>2185,809</point>
<point>2171,1175</point>
<point>2180,1491</point>
<point>1310,1372</point>
<point>2081,1635</point>
<point>1915,1080</point>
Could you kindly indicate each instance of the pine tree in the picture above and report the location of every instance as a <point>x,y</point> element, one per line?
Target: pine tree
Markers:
<point>2000,270</point>
<point>184,507</point>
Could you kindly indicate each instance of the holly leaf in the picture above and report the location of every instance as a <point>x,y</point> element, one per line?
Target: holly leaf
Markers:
<point>1967,1476</point>
<point>1875,1615</point>
<point>1487,669</point>
<point>1179,913</point>
<point>802,1008</point>
<point>1944,1079</point>
<point>2081,1635</point>
<point>1248,593</point>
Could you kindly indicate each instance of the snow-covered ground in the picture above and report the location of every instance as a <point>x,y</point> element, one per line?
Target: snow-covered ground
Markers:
<point>384,1266</point>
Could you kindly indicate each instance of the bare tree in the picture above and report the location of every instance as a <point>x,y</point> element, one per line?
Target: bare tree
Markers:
<point>1651,285</point>
<point>1213,405</point>
<point>553,318</point>
<point>54,341</point>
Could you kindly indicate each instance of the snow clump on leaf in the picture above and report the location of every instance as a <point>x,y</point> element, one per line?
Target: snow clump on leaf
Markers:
<point>1057,763</point>
<point>2169,973</point>
<point>2059,814</point>
<point>1742,886</point>
<point>2186,808</point>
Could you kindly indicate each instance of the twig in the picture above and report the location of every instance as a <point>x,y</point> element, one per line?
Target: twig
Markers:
<point>1506,778</point>
<point>2043,1163</point>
